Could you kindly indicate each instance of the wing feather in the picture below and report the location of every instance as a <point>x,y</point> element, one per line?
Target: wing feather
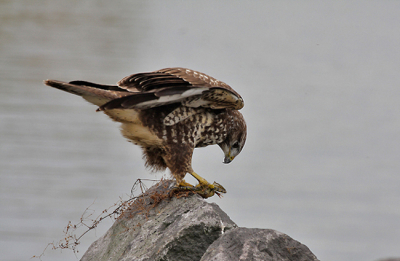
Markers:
<point>158,88</point>
<point>146,100</point>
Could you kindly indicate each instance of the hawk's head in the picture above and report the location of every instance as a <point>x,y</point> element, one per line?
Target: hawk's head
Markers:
<point>236,138</point>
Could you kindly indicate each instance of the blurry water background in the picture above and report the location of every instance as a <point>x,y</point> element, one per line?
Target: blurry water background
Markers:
<point>321,84</point>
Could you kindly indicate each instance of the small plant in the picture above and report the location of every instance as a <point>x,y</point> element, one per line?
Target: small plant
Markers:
<point>71,240</point>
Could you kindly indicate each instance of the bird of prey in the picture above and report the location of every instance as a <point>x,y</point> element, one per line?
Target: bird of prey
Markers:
<point>168,113</point>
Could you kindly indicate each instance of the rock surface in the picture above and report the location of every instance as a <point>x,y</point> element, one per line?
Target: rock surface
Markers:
<point>176,229</point>
<point>183,227</point>
<point>257,244</point>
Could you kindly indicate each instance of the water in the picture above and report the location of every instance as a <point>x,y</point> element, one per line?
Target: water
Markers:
<point>321,87</point>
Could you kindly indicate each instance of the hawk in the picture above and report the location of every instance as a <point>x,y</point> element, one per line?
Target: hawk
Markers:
<point>168,113</point>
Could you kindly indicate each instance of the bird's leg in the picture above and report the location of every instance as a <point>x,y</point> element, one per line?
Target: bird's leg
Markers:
<point>179,164</point>
<point>202,181</point>
<point>183,183</point>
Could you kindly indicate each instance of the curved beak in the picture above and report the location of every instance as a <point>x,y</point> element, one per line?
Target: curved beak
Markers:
<point>228,159</point>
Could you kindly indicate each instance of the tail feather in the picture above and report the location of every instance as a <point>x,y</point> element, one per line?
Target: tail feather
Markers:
<point>93,93</point>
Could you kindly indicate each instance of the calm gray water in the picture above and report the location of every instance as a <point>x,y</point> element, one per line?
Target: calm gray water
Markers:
<point>321,85</point>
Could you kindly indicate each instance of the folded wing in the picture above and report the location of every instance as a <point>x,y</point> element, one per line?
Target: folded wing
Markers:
<point>175,85</point>
<point>154,89</point>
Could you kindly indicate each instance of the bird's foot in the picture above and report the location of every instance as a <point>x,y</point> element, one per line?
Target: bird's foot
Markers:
<point>183,183</point>
<point>183,186</point>
<point>207,190</point>
<point>204,188</point>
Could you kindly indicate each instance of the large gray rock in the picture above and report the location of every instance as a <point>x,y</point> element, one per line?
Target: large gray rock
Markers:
<point>183,227</point>
<point>255,244</point>
<point>175,229</point>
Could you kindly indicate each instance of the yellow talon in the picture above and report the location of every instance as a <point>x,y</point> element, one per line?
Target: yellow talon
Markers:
<point>204,188</point>
<point>183,183</point>
<point>208,190</point>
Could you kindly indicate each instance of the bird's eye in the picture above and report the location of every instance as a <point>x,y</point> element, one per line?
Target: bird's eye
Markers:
<point>235,145</point>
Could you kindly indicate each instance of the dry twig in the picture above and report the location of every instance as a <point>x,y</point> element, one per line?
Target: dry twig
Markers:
<point>71,240</point>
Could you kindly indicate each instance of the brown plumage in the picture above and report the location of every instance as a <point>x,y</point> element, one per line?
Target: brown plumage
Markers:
<point>168,113</point>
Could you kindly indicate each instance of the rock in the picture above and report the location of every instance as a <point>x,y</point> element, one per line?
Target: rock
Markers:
<point>165,226</point>
<point>256,245</point>
<point>178,228</point>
